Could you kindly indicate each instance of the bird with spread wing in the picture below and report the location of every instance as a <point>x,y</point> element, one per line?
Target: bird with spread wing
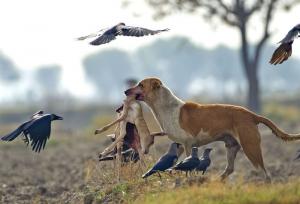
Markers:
<point>37,130</point>
<point>106,35</point>
<point>284,51</point>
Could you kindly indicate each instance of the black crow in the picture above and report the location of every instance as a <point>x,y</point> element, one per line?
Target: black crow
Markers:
<point>127,156</point>
<point>284,51</point>
<point>204,161</point>
<point>109,34</point>
<point>189,163</point>
<point>38,129</point>
<point>165,162</point>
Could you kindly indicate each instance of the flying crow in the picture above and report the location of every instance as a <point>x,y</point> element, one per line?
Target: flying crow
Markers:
<point>189,163</point>
<point>38,129</point>
<point>164,162</point>
<point>204,161</point>
<point>109,34</point>
<point>284,51</point>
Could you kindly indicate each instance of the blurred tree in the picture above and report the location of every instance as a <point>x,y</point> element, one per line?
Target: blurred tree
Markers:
<point>48,78</point>
<point>237,14</point>
<point>8,71</point>
<point>131,82</point>
<point>108,70</point>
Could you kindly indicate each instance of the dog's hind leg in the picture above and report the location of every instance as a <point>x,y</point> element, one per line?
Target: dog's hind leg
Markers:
<point>232,147</point>
<point>120,141</point>
<point>250,141</point>
<point>187,149</point>
<point>142,164</point>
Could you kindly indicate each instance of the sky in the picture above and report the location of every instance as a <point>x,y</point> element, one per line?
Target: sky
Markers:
<point>36,33</point>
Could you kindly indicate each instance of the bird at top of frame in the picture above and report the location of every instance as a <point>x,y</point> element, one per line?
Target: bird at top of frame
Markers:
<point>107,35</point>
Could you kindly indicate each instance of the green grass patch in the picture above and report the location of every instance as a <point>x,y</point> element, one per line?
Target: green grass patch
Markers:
<point>216,192</point>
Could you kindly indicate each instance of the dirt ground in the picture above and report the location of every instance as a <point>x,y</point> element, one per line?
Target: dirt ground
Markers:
<point>58,174</point>
<point>53,176</point>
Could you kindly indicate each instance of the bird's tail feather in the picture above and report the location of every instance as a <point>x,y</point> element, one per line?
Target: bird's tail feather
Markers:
<point>11,136</point>
<point>149,173</point>
<point>281,54</point>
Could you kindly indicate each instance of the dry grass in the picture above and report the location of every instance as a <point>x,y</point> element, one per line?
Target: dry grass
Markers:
<point>103,187</point>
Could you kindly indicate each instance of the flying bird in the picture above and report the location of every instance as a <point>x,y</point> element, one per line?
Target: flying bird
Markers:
<point>284,51</point>
<point>204,161</point>
<point>37,130</point>
<point>189,163</point>
<point>106,35</point>
<point>165,162</point>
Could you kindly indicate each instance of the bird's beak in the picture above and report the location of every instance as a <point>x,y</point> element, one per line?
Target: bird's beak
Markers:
<point>59,118</point>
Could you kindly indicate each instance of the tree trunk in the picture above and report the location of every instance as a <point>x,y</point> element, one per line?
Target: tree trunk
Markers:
<point>253,99</point>
<point>250,66</point>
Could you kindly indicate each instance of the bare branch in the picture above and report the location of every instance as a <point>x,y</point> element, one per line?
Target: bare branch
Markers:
<point>266,32</point>
<point>226,14</point>
<point>256,7</point>
<point>225,7</point>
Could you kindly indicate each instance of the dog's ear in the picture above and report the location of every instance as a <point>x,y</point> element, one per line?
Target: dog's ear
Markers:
<point>156,85</point>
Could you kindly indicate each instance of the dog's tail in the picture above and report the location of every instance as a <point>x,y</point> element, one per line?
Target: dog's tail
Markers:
<point>277,131</point>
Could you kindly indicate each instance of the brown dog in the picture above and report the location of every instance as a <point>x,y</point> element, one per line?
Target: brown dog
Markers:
<point>198,124</point>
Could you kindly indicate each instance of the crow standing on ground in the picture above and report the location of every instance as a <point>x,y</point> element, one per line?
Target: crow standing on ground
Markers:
<point>38,129</point>
<point>284,51</point>
<point>164,162</point>
<point>109,34</point>
<point>189,163</point>
<point>204,161</point>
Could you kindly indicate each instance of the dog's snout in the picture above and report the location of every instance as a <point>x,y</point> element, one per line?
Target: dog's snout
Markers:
<point>127,92</point>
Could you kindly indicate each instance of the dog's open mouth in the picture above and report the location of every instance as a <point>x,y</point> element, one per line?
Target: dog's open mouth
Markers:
<point>139,97</point>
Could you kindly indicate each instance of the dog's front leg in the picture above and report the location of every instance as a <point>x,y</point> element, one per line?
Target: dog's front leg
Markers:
<point>232,147</point>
